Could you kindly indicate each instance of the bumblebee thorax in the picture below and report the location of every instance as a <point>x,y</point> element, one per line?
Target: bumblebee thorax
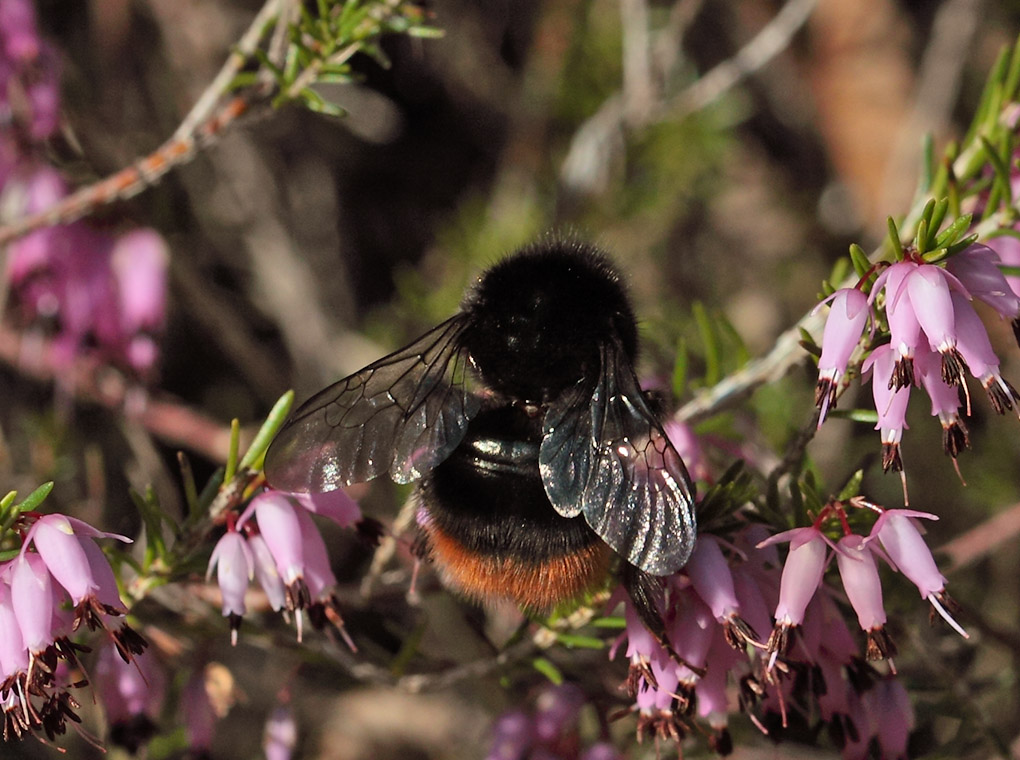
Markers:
<point>538,320</point>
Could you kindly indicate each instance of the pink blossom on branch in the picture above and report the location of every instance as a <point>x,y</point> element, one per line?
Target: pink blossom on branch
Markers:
<point>847,317</point>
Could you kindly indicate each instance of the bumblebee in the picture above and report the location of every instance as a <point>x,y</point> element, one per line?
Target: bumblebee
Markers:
<point>538,457</point>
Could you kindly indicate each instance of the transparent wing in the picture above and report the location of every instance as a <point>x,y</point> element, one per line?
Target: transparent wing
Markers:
<point>403,414</point>
<point>604,455</point>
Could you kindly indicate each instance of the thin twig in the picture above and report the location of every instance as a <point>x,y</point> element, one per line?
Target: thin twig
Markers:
<point>597,141</point>
<point>773,38</point>
<point>983,539</point>
<point>213,94</point>
<point>786,352</point>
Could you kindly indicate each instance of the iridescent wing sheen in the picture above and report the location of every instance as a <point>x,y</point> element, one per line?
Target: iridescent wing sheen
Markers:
<point>403,415</point>
<point>604,455</point>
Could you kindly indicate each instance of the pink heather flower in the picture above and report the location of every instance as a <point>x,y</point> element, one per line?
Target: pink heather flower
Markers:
<point>132,696</point>
<point>333,505</point>
<point>13,652</point>
<point>601,751</point>
<point>18,32</point>
<point>556,711</point>
<point>802,575</point>
<point>512,736</point>
<point>235,567</point>
<point>107,595</point>
<point>710,575</point>
<point>690,634</point>
<point>32,597</point>
<point>711,689</point>
<point>278,524</point>
<point>857,727</point>
<point>890,404</point>
<point>200,716</point>
<point>864,590</point>
<point>976,349</point>
<point>945,404</point>
<point>892,717</point>
<point>280,735</point>
<point>688,447</point>
<point>266,573</point>
<point>835,638</point>
<point>930,287</point>
<point>60,541</point>
<point>139,261</point>
<point>300,554</point>
<point>843,328</point>
<point>902,541</point>
<point>904,329</point>
<point>753,605</point>
<point>833,700</point>
<point>977,268</point>
<point>317,571</point>
<point>1008,249</point>
<point>44,95</point>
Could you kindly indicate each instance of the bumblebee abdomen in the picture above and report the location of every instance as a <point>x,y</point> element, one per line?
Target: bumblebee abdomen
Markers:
<point>534,585</point>
<point>490,527</point>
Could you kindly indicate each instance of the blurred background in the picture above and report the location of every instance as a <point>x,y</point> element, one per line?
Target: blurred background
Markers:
<point>304,246</point>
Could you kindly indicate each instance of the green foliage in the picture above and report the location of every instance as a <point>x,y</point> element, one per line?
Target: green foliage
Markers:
<point>324,39</point>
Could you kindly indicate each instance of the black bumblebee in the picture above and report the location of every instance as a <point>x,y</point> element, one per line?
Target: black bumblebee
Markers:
<point>537,452</point>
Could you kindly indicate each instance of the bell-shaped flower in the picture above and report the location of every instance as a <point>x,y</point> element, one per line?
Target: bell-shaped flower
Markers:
<point>333,505</point>
<point>19,34</point>
<point>890,403</point>
<point>13,652</point>
<point>892,718</point>
<point>945,404</point>
<point>1007,247</point>
<point>32,598</point>
<point>279,525</point>
<point>976,349</point>
<point>930,288</point>
<point>139,261</point>
<point>512,736</point>
<point>132,696</point>
<point>688,447</point>
<point>556,711</point>
<point>690,634</point>
<point>602,751</point>
<point>863,588</point>
<point>317,571</point>
<point>59,541</point>
<point>280,734</point>
<point>844,326</point>
<point>899,535</point>
<point>904,329</point>
<point>710,575</point>
<point>266,573</point>
<point>802,575</point>
<point>108,602</point>
<point>977,268</point>
<point>235,567</point>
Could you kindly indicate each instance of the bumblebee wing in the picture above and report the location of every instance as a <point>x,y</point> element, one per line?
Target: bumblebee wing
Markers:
<point>403,414</point>
<point>604,455</point>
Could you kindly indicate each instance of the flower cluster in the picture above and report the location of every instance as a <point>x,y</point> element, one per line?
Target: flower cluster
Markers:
<point>59,580</point>
<point>29,83</point>
<point>548,732</point>
<point>811,663</point>
<point>100,293</point>
<point>276,542</point>
<point>935,338</point>
<point>132,695</point>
